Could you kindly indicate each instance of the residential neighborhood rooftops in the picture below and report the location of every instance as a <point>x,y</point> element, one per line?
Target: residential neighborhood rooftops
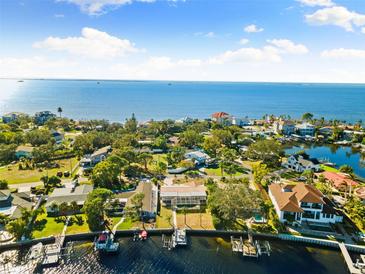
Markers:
<point>101,151</point>
<point>289,197</point>
<point>339,179</point>
<point>25,149</point>
<point>190,189</point>
<point>220,115</point>
<point>68,195</point>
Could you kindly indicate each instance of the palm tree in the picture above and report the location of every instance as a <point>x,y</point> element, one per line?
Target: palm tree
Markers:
<point>59,110</point>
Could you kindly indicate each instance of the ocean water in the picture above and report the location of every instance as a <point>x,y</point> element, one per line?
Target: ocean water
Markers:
<point>116,100</point>
<point>340,155</point>
<point>202,255</point>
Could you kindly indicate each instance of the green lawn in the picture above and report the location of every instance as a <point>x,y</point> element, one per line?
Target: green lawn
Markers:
<point>328,168</point>
<point>75,227</point>
<point>217,172</point>
<point>13,175</point>
<point>162,219</point>
<point>46,226</point>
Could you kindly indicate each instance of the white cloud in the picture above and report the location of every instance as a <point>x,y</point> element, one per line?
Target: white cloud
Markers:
<point>265,54</point>
<point>164,62</point>
<point>363,30</point>
<point>244,41</point>
<point>342,53</point>
<point>313,3</point>
<point>92,43</point>
<point>98,7</point>
<point>338,16</point>
<point>210,34</point>
<point>288,46</point>
<point>252,28</point>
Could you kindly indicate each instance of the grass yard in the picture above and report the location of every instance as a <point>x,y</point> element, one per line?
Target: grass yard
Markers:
<point>75,227</point>
<point>13,175</point>
<point>217,172</point>
<point>46,226</point>
<point>328,168</point>
<point>195,220</point>
<point>162,220</point>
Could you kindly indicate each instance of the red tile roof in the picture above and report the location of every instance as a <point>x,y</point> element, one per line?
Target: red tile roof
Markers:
<point>220,115</point>
<point>339,179</point>
<point>290,199</point>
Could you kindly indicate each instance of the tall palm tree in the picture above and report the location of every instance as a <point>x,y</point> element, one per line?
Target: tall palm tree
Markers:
<point>59,110</point>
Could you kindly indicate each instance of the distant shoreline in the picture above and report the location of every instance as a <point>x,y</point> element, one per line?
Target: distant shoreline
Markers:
<point>182,81</point>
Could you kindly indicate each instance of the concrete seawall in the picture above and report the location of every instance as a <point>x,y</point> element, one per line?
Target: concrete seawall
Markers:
<point>89,236</point>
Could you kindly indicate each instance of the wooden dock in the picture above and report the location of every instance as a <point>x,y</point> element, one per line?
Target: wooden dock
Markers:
<point>348,260</point>
<point>250,248</point>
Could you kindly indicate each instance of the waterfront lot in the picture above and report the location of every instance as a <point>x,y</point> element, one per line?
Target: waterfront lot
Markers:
<point>164,220</point>
<point>13,175</point>
<point>197,220</point>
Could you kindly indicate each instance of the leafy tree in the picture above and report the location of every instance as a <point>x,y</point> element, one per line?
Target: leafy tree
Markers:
<point>211,145</point>
<point>268,151</point>
<point>159,167</point>
<point>42,153</point>
<point>259,173</point>
<point>3,219</point>
<point>59,110</point>
<point>227,157</point>
<point>145,158</point>
<point>131,124</point>
<point>309,175</point>
<point>176,155</point>
<point>190,138</point>
<point>7,153</point>
<point>234,201</point>
<point>105,174</point>
<point>160,142</point>
<point>3,184</point>
<point>94,208</point>
<point>224,136</point>
<point>356,211</point>
<point>38,137</point>
<point>346,169</point>
<point>137,203</point>
<point>17,228</point>
<point>307,116</point>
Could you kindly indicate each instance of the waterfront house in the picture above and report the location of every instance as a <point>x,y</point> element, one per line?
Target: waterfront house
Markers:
<point>302,162</point>
<point>340,181</point>
<point>222,118</point>
<point>285,127</point>
<point>241,122</point>
<point>57,136</point>
<point>302,202</point>
<point>67,195</point>
<point>198,157</point>
<point>24,152</point>
<point>41,117</point>
<point>11,204</point>
<point>305,129</point>
<point>190,194</point>
<point>10,117</point>
<point>149,202</point>
<point>99,155</point>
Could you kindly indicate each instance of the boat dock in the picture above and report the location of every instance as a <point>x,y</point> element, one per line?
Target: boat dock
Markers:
<point>249,247</point>
<point>356,268</point>
<point>176,239</point>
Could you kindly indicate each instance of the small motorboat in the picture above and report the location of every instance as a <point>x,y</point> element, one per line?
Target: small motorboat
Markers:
<point>143,235</point>
<point>105,242</point>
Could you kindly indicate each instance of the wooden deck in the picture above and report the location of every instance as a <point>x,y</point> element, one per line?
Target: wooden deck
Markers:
<point>348,260</point>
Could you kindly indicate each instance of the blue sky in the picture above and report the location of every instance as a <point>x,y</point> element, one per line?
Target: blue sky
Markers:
<point>226,40</point>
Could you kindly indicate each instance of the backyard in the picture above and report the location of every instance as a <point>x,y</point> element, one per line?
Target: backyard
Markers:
<point>195,220</point>
<point>164,220</point>
<point>13,175</point>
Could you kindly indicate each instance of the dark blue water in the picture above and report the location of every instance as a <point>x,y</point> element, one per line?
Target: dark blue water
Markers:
<point>203,255</point>
<point>339,155</point>
<point>116,100</point>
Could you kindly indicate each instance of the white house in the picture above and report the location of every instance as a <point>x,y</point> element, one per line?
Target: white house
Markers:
<point>302,202</point>
<point>285,127</point>
<point>99,155</point>
<point>183,195</point>
<point>241,122</point>
<point>305,129</point>
<point>302,162</point>
<point>198,157</point>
